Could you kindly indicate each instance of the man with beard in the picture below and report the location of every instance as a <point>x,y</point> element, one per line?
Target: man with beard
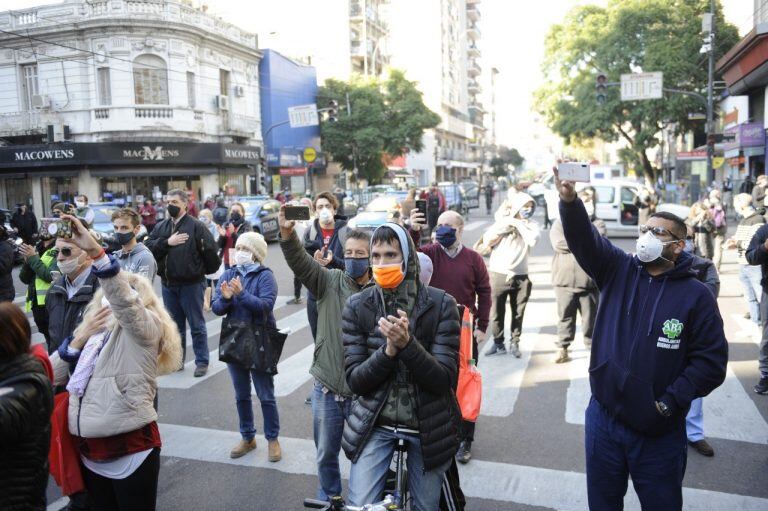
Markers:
<point>658,344</point>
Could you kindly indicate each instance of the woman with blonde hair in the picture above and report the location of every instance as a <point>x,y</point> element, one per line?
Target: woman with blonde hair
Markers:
<point>124,342</point>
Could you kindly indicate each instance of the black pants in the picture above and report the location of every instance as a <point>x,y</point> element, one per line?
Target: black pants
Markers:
<point>312,314</point>
<point>296,288</point>
<point>136,492</point>
<point>40,314</point>
<point>569,302</point>
<point>518,290</point>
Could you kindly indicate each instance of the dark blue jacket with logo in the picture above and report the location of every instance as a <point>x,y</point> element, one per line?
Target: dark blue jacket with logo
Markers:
<point>656,338</point>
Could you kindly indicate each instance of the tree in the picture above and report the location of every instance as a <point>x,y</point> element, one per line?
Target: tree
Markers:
<point>504,158</point>
<point>388,117</point>
<point>627,36</point>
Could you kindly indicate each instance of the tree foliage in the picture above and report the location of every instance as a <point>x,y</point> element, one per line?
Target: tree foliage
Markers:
<point>388,117</point>
<point>504,158</point>
<point>628,36</point>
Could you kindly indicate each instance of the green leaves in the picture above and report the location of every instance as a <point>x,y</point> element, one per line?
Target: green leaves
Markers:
<point>388,117</point>
<point>627,36</point>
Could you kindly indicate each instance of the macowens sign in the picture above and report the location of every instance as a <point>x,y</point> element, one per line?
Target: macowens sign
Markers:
<point>127,153</point>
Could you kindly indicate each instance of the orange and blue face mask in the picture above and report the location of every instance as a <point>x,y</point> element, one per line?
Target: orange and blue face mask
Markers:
<point>388,276</point>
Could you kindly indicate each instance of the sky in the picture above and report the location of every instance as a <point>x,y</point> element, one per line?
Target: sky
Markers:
<point>512,41</point>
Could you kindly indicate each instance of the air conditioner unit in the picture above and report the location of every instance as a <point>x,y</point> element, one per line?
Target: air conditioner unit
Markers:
<point>222,102</point>
<point>239,91</point>
<point>40,101</point>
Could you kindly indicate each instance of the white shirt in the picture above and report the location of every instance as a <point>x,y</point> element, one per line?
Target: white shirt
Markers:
<point>74,286</point>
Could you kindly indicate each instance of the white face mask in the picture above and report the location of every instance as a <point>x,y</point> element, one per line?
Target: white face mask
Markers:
<point>79,204</point>
<point>649,248</point>
<point>243,257</point>
<point>69,266</point>
<point>325,215</point>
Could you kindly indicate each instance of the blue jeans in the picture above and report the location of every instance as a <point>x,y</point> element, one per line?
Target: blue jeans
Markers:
<point>368,475</point>
<point>185,304</point>
<point>694,421</point>
<point>265,390</point>
<point>615,451</point>
<point>328,416</point>
<point>750,281</point>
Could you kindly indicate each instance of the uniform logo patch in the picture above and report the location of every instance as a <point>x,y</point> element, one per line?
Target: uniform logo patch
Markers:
<point>672,328</point>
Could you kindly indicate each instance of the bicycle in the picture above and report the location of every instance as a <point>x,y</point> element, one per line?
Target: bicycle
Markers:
<point>397,500</point>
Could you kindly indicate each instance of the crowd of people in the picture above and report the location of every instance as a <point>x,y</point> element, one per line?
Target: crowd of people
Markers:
<point>385,310</point>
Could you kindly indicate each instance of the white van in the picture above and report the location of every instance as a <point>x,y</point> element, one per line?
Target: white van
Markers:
<point>615,205</point>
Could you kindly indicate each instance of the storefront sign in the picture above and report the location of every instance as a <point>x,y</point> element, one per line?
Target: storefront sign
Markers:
<point>692,155</point>
<point>293,171</point>
<point>130,153</point>
<point>749,134</point>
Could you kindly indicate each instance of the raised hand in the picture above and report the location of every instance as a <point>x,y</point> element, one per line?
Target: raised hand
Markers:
<point>323,261</point>
<point>236,286</point>
<point>286,226</point>
<point>82,237</point>
<point>226,290</point>
<point>566,189</point>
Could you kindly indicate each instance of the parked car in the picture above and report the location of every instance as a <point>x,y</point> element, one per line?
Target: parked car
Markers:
<point>102,225</point>
<point>378,212</point>
<point>262,213</point>
<point>455,199</point>
<point>540,185</point>
<point>470,191</point>
<point>350,207</point>
<point>676,209</point>
<point>615,204</point>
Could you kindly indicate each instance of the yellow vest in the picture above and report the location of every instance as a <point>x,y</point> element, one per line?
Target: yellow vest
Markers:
<point>41,286</point>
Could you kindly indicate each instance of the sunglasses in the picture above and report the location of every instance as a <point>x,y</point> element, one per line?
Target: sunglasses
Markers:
<point>66,251</point>
<point>657,231</point>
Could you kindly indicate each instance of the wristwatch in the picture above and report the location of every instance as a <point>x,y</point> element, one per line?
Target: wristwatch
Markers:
<point>663,409</point>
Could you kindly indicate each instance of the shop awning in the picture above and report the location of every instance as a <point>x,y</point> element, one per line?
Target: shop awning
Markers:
<point>152,171</point>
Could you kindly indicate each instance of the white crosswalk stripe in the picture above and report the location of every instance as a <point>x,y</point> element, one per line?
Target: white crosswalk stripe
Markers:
<point>476,225</point>
<point>505,482</point>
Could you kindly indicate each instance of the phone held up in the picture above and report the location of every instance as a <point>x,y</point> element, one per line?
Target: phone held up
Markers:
<point>297,212</point>
<point>574,171</point>
<point>421,206</point>
<point>56,227</point>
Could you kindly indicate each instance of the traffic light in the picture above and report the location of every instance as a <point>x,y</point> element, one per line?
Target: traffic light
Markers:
<point>601,88</point>
<point>333,110</point>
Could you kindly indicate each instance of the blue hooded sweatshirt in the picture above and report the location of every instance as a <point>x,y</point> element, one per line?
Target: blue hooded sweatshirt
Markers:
<point>257,299</point>
<point>656,338</point>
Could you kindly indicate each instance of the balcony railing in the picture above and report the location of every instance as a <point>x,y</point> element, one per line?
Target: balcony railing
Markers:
<point>18,123</point>
<point>153,113</point>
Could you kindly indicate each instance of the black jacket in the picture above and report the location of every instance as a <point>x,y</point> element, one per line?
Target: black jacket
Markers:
<point>432,361</point>
<point>7,291</point>
<point>336,245</point>
<point>26,402</point>
<point>26,225</point>
<point>64,314</point>
<point>185,263</point>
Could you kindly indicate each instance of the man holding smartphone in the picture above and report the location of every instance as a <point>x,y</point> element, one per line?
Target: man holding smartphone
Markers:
<point>38,272</point>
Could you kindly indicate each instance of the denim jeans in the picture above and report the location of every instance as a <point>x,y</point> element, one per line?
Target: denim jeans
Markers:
<point>694,421</point>
<point>762,354</point>
<point>615,452</point>
<point>750,281</point>
<point>328,414</point>
<point>368,475</point>
<point>185,304</point>
<point>265,390</point>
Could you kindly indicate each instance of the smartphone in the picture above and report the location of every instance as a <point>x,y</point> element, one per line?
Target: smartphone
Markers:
<point>574,171</point>
<point>421,205</point>
<point>18,242</point>
<point>56,227</point>
<point>297,212</point>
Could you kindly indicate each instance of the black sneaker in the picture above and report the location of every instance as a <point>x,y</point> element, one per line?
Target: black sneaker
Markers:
<point>703,448</point>
<point>496,349</point>
<point>200,371</point>
<point>308,401</point>
<point>747,315</point>
<point>762,387</point>
<point>464,453</point>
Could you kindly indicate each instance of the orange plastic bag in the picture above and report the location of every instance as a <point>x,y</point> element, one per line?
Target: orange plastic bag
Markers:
<point>469,391</point>
<point>63,457</point>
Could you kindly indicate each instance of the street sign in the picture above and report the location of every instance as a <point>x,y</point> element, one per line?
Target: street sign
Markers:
<point>639,86</point>
<point>301,116</point>
<point>310,154</point>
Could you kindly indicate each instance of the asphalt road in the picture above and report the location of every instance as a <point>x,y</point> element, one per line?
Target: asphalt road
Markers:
<point>528,453</point>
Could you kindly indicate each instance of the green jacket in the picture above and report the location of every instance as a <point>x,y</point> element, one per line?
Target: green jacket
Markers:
<point>331,288</point>
<point>36,273</point>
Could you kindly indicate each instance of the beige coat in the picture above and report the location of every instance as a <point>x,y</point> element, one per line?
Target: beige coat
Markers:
<point>119,395</point>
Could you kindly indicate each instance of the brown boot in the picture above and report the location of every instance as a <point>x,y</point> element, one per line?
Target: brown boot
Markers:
<point>242,448</point>
<point>274,452</point>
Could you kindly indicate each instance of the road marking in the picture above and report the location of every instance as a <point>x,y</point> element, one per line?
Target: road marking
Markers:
<point>749,332</point>
<point>58,505</point>
<point>557,489</point>
<point>293,372</point>
<point>475,225</point>
<point>185,379</point>
<point>728,411</point>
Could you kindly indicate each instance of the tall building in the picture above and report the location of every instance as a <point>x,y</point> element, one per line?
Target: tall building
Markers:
<point>125,99</point>
<point>436,43</point>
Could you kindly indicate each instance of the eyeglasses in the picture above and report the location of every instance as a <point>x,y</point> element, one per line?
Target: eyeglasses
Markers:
<point>657,231</point>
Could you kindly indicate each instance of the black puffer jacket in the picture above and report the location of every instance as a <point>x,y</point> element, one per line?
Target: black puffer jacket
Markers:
<point>64,313</point>
<point>432,361</point>
<point>26,402</point>
<point>186,263</point>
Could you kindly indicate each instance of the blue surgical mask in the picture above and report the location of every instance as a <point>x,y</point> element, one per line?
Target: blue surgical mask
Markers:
<point>689,247</point>
<point>356,267</point>
<point>446,236</point>
<point>526,213</point>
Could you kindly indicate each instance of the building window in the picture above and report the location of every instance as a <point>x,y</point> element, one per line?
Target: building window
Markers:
<point>105,88</point>
<point>29,84</point>
<point>224,82</point>
<point>150,80</point>
<point>191,90</point>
